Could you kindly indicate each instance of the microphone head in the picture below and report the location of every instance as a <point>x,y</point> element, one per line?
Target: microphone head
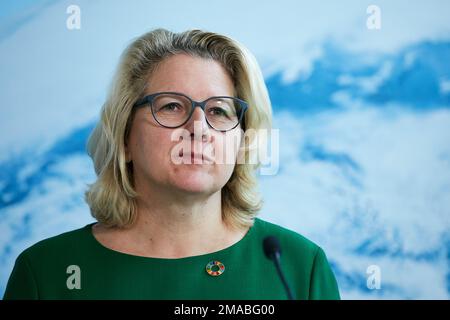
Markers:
<point>271,247</point>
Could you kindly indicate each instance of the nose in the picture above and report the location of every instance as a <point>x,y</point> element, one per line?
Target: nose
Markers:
<point>197,125</point>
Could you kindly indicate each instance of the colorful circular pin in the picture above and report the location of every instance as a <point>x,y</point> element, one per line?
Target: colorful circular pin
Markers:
<point>215,268</point>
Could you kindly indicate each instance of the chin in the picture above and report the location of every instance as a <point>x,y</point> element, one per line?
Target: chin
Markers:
<point>194,188</point>
<point>194,182</point>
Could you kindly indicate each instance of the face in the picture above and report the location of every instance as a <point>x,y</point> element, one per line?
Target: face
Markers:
<point>151,147</point>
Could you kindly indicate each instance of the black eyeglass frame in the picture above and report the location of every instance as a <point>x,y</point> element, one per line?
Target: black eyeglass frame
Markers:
<point>202,104</point>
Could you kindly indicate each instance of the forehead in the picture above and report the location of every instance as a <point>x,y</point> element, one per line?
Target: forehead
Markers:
<point>196,77</point>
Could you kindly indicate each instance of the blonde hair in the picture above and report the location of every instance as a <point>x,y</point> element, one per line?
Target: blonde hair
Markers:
<point>112,197</point>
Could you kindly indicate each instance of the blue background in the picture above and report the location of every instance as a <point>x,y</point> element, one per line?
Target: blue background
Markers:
<point>364,120</point>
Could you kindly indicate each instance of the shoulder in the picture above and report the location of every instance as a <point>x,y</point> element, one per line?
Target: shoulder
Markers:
<point>59,245</point>
<point>304,261</point>
<point>42,267</point>
<point>291,241</point>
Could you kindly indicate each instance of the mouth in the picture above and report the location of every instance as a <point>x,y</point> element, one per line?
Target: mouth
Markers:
<point>197,158</point>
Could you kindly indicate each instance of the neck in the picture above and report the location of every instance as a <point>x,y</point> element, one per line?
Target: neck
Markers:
<point>169,225</point>
<point>179,216</point>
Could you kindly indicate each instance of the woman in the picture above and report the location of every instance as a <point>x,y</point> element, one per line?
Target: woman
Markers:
<point>171,229</point>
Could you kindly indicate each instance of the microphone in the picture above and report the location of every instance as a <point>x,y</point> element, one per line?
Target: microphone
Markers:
<point>272,250</point>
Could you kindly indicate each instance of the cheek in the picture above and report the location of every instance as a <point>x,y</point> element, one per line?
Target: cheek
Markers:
<point>226,148</point>
<point>151,147</point>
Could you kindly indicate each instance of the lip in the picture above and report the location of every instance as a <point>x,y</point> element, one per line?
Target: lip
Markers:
<point>201,158</point>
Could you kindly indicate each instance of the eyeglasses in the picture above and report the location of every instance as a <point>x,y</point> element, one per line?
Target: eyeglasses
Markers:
<point>173,109</point>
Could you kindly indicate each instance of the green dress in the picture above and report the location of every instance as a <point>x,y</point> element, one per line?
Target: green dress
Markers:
<point>74,265</point>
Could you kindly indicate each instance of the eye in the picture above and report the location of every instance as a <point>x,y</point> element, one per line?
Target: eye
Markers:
<point>218,111</point>
<point>173,106</point>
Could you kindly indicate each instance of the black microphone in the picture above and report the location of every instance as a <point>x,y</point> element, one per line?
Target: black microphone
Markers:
<point>272,250</point>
